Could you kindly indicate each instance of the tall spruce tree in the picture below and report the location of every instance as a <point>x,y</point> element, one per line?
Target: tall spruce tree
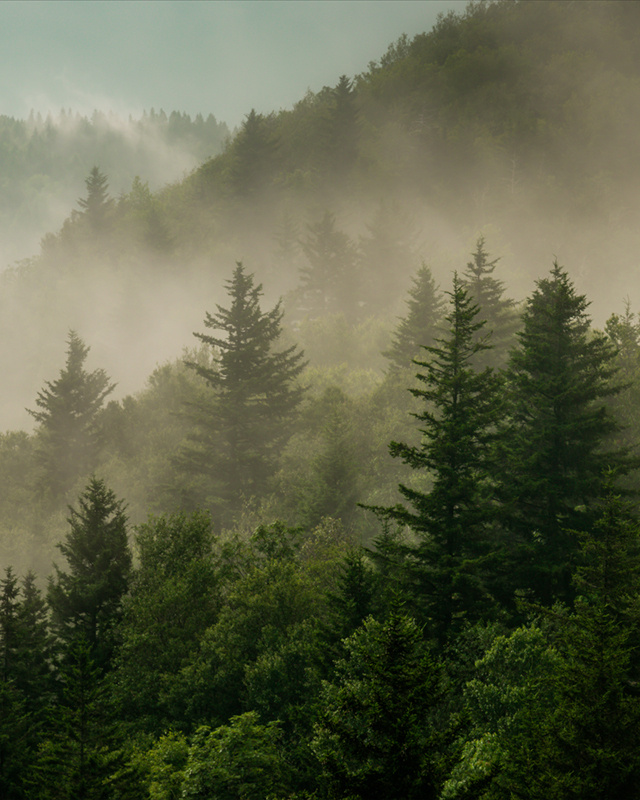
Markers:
<point>419,328</point>
<point>239,430</point>
<point>560,376</point>
<point>85,601</point>
<point>499,312</point>
<point>97,204</point>
<point>452,519</point>
<point>68,435</point>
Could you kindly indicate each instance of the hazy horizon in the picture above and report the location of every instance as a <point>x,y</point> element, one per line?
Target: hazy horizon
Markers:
<point>221,57</point>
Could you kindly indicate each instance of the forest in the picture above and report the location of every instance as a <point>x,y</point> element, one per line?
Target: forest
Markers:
<point>320,460</point>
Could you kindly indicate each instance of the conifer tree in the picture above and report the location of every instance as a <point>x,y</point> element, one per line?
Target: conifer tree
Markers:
<point>583,746</point>
<point>241,427</point>
<point>252,153</point>
<point>343,129</point>
<point>85,601</point>
<point>420,326</point>
<point>459,418</point>
<point>561,375</point>
<point>329,284</point>
<point>97,204</point>
<point>499,312</point>
<point>68,435</point>
<point>377,736</point>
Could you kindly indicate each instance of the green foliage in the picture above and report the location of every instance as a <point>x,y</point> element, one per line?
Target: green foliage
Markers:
<point>239,761</point>
<point>254,396</point>
<point>560,375</point>
<point>421,325</point>
<point>500,313</point>
<point>330,281</point>
<point>451,520</point>
<point>73,761</point>
<point>251,157</point>
<point>377,736</point>
<point>174,597</point>
<point>86,600</point>
<point>68,436</point>
<point>97,204</point>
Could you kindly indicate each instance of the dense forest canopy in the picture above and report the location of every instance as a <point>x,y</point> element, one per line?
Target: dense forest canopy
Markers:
<point>334,494</point>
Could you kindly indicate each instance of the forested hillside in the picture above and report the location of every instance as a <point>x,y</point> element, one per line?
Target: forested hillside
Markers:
<point>43,161</point>
<point>319,463</point>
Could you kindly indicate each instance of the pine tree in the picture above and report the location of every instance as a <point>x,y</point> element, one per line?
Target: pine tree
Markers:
<point>9,604</point>
<point>240,429</point>
<point>624,333</point>
<point>68,436</point>
<point>33,668</point>
<point>329,284</point>
<point>420,326</point>
<point>252,154</point>
<point>85,601</point>
<point>500,313</point>
<point>343,128</point>
<point>451,520</point>
<point>97,204</point>
<point>377,736</point>
<point>583,746</point>
<point>560,375</point>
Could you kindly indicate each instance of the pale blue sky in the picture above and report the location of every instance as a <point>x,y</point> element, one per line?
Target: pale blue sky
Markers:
<point>210,56</point>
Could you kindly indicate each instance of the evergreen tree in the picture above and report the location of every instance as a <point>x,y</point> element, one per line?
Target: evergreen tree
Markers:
<point>451,520</point>
<point>343,129</point>
<point>24,697</point>
<point>9,604</point>
<point>329,283</point>
<point>624,333</point>
<point>377,736</point>
<point>240,430</point>
<point>252,154</point>
<point>68,436</point>
<point>73,763</point>
<point>174,597</point>
<point>560,375</point>
<point>420,326</point>
<point>85,601</point>
<point>583,745</point>
<point>500,313</point>
<point>33,668</point>
<point>97,204</point>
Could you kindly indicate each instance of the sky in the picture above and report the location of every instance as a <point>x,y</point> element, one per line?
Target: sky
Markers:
<point>223,57</point>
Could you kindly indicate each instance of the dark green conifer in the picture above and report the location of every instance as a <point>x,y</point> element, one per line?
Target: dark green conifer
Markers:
<point>452,519</point>
<point>560,376</point>
<point>85,600</point>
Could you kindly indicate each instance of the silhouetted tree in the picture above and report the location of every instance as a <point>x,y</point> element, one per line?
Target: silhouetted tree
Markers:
<point>420,326</point>
<point>97,204</point>
<point>68,434</point>
<point>241,427</point>
<point>500,313</point>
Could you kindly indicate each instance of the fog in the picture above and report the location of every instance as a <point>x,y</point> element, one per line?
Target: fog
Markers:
<point>535,154</point>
